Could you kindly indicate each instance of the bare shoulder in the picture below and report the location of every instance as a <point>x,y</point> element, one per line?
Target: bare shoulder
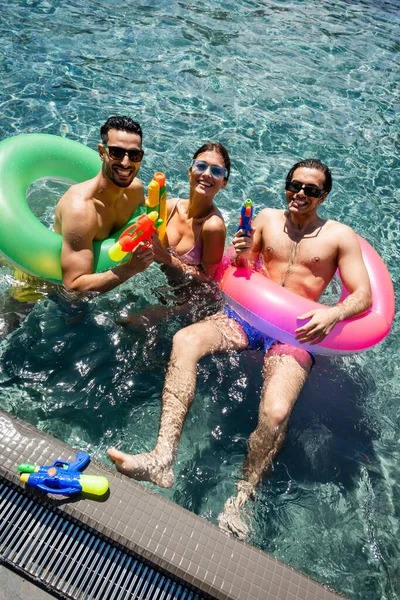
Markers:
<point>266,215</point>
<point>79,192</point>
<point>215,222</point>
<point>135,193</point>
<point>76,207</point>
<point>172,201</point>
<point>340,232</point>
<point>179,203</point>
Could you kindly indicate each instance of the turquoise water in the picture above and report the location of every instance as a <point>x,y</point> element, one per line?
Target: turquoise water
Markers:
<point>275,82</point>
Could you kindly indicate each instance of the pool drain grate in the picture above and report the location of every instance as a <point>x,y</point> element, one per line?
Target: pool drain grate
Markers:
<point>74,561</point>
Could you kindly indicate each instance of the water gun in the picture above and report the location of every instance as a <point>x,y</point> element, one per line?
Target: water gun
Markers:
<point>140,231</point>
<point>246,216</point>
<point>64,477</point>
<point>157,200</point>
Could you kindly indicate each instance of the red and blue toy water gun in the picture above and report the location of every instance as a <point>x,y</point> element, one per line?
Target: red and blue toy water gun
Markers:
<point>64,477</point>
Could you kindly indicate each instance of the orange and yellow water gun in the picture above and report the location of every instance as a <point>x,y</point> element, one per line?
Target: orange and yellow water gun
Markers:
<point>140,231</point>
<point>157,200</point>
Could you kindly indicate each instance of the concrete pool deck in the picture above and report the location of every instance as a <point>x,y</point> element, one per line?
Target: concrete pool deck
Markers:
<point>14,587</point>
<point>177,541</point>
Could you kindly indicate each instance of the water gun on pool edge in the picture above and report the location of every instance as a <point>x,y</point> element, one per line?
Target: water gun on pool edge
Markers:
<point>246,216</point>
<point>64,477</point>
<point>157,200</point>
<point>140,231</point>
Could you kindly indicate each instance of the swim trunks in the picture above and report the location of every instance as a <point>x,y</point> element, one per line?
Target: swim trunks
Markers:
<point>257,339</point>
<point>26,288</point>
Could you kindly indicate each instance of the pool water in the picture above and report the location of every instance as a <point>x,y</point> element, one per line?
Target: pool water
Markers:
<point>275,82</point>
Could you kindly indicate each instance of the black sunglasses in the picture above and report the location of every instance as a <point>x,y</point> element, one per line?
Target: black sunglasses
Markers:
<point>309,190</point>
<point>117,153</point>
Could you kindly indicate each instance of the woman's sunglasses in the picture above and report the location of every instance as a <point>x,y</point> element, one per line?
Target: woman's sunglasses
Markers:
<point>117,153</point>
<point>201,167</point>
<point>309,190</point>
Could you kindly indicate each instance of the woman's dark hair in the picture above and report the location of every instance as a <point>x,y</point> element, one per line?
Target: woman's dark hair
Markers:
<point>120,124</point>
<point>313,163</point>
<point>220,149</point>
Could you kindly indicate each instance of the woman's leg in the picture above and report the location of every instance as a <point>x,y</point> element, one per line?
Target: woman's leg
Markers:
<point>213,335</point>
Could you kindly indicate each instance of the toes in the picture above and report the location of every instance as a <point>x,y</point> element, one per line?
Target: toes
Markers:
<point>231,521</point>
<point>115,455</point>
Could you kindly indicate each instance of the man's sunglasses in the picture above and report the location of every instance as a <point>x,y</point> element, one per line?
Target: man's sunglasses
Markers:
<point>201,167</point>
<point>309,190</point>
<point>117,153</point>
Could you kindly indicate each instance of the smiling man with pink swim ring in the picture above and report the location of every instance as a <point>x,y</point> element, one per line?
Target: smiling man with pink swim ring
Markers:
<point>299,251</point>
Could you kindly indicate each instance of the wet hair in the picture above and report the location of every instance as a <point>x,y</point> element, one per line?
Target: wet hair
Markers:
<point>313,163</point>
<point>120,124</point>
<point>220,149</point>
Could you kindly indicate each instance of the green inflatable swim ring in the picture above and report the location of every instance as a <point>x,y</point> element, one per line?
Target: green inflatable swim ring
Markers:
<point>24,241</point>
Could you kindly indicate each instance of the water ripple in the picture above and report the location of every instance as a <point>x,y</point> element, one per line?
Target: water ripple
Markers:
<point>276,82</point>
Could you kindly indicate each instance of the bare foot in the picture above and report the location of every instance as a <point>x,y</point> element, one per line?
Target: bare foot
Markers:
<point>232,519</point>
<point>143,467</point>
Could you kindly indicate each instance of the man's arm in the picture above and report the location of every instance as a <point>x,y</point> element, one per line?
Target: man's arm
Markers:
<point>355,279</point>
<point>78,230</point>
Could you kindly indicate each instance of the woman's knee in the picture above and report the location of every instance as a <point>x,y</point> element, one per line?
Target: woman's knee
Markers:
<point>183,338</point>
<point>189,342</point>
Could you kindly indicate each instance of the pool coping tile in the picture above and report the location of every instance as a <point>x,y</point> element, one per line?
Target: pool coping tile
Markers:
<point>169,536</point>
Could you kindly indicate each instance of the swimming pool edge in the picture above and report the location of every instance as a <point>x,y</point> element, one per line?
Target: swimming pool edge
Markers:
<point>172,538</point>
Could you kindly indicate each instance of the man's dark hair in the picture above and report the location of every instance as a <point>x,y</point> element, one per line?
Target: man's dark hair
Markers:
<point>120,124</point>
<point>313,163</point>
<point>220,149</point>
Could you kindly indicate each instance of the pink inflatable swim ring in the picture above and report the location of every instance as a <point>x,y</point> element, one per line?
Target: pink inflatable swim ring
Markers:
<point>273,310</point>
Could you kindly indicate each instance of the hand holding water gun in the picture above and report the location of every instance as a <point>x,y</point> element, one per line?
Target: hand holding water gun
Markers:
<point>246,216</point>
<point>243,239</point>
<point>64,477</point>
<point>140,231</point>
<point>157,200</point>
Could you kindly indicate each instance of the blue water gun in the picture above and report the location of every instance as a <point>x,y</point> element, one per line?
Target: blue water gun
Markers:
<point>64,477</point>
<point>246,216</point>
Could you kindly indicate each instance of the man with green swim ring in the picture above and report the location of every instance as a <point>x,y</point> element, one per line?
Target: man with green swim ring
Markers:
<point>90,211</point>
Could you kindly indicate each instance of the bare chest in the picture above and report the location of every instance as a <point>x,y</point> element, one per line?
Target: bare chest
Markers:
<point>313,252</point>
<point>183,231</point>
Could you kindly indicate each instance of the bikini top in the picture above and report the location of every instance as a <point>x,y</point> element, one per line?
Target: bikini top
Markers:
<point>195,254</point>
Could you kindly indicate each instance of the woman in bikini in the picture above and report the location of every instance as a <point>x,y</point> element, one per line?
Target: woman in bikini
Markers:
<point>194,242</point>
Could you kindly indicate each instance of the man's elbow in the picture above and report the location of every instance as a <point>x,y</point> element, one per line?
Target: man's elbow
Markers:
<point>77,285</point>
<point>368,299</point>
<point>365,297</point>
<point>73,288</point>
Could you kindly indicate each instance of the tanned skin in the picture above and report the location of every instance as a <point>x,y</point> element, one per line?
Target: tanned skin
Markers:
<point>300,251</point>
<point>93,210</point>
